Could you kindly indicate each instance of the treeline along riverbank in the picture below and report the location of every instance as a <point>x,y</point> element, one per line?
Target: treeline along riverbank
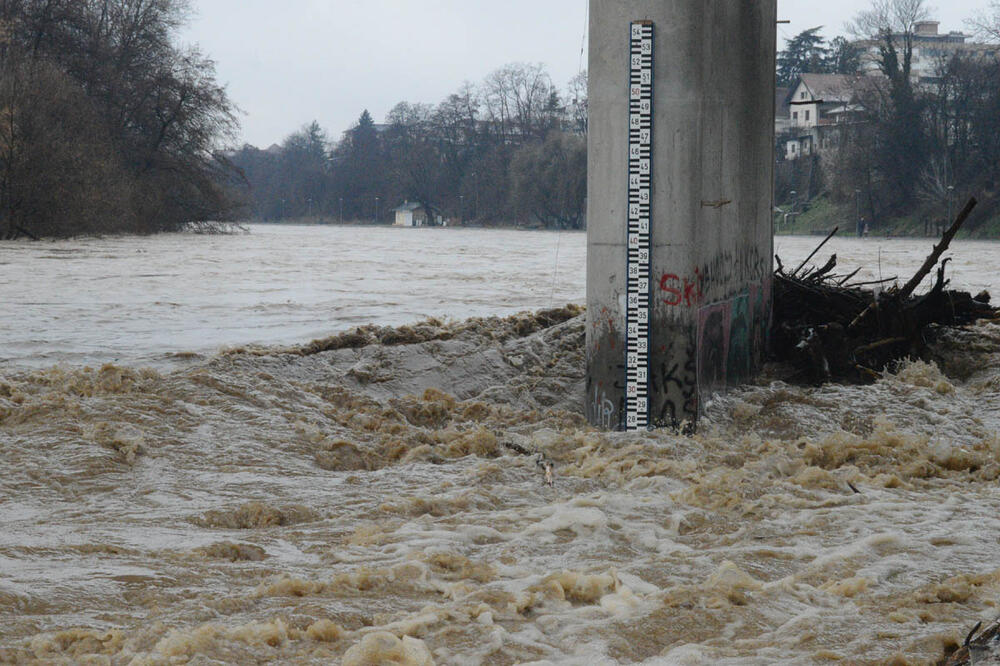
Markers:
<point>511,150</point>
<point>106,125</point>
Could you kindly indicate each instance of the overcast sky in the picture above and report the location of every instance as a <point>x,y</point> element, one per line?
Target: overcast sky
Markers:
<point>288,63</point>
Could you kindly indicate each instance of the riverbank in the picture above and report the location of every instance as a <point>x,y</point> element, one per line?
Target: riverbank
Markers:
<point>319,220</point>
<point>819,216</point>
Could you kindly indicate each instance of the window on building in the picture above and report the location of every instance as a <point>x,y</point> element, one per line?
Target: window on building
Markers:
<point>802,95</point>
<point>807,115</point>
<point>795,115</point>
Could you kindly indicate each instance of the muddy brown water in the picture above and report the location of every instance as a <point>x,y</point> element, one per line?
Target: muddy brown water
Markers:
<point>359,502</point>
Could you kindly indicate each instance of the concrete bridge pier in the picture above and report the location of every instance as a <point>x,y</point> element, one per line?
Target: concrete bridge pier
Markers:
<point>711,242</point>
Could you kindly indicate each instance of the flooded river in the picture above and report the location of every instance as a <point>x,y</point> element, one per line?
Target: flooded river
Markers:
<point>144,300</point>
<point>207,461</point>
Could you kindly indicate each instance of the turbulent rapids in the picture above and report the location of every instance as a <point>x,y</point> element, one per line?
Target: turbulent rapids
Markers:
<point>375,497</point>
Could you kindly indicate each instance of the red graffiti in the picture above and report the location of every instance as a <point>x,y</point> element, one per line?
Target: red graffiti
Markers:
<point>676,294</point>
<point>681,290</point>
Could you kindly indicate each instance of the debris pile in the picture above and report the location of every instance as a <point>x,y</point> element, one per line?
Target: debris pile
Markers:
<point>831,329</point>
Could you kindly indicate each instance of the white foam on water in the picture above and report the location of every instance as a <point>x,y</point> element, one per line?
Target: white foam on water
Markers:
<point>286,505</point>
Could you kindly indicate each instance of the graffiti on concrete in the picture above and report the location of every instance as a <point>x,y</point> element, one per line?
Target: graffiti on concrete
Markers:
<point>739,354</point>
<point>607,322</point>
<point>760,320</point>
<point>681,291</point>
<point>727,268</point>
<point>717,345</point>
<point>713,346</point>
<point>605,397</point>
<point>732,338</point>
<point>602,410</point>
<point>673,381</point>
<point>735,267</point>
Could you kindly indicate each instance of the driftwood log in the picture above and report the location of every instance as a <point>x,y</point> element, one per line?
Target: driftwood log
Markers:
<point>830,329</point>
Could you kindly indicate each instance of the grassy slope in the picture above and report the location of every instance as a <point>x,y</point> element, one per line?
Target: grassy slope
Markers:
<point>822,215</point>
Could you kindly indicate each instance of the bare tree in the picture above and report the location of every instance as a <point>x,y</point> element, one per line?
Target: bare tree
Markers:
<point>891,25</point>
<point>986,24</point>
<point>935,179</point>
<point>484,152</point>
<point>59,174</point>
<point>516,97</point>
<point>151,112</point>
<point>550,180</point>
<point>577,106</point>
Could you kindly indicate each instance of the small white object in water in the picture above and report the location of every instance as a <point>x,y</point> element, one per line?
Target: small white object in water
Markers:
<point>548,467</point>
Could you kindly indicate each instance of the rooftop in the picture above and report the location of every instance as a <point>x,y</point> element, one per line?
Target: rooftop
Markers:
<point>827,87</point>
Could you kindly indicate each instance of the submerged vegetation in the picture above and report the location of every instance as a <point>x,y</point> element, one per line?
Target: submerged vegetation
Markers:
<point>106,125</point>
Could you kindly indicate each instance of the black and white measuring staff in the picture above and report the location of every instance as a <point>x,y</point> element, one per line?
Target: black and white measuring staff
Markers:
<point>640,141</point>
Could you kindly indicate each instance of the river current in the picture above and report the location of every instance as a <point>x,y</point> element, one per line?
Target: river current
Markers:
<point>319,445</point>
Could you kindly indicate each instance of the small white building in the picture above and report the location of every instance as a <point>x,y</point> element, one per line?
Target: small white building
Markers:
<point>411,214</point>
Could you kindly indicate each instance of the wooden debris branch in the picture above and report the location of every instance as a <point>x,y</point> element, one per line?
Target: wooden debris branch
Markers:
<point>818,248</point>
<point>21,231</point>
<point>831,329</point>
<point>849,276</point>
<point>939,249</point>
<point>541,461</point>
<point>980,650</point>
<point>929,263</point>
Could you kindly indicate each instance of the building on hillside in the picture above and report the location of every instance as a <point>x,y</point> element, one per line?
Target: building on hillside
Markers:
<point>930,48</point>
<point>818,107</point>
<point>411,214</point>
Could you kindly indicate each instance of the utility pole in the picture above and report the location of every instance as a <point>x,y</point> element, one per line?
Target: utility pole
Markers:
<point>951,201</point>
<point>475,209</point>
<point>857,211</point>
